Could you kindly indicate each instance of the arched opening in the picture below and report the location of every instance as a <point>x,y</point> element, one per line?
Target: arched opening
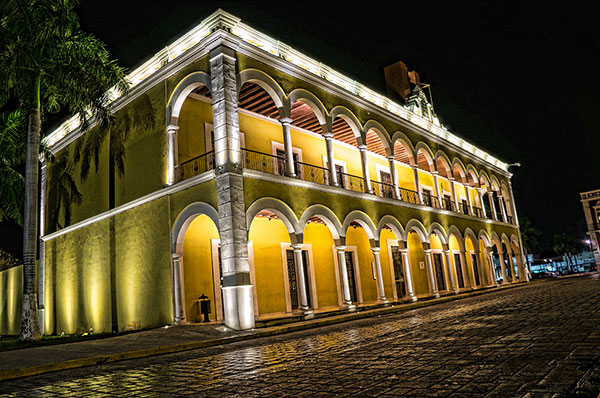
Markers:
<point>274,269</point>
<point>195,135</point>
<point>378,164</point>
<point>507,260</point>
<point>346,156</point>
<point>418,263</point>
<point>455,246</point>
<point>442,279</point>
<point>392,245</point>
<point>487,260</point>
<point>404,159</point>
<point>473,260</point>
<point>445,188</point>
<point>426,167</point>
<point>360,259</point>
<point>461,187</point>
<point>201,269</point>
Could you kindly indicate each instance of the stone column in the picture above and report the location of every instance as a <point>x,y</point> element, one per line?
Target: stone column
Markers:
<point>436,188</point>
<point>468,199</point>
<point>453,189</point>
<point>301,277</point>
<point>432,281</point>
<point>480,196</point>
<point>417,184</point>
<point>394,176</point>
<point>479,266</point>
<point>489,253</point>
<point>453,285</point>
<point>380,288</point>
<point>330,164</point>
<point>502,267</point>
<point>407,274</point>
<point>287,146</point>
<point>42,261</point>
<point>171,154</point>
<point>178,289</point>
<point>463,264</point>
<point>493,205</point>
<point>347,300</point>
<point>237,290</point>
<point>502,209</point>
<point>365,167</point>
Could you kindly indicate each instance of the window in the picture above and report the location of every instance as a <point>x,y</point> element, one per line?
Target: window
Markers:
<point>281,163</point>
<point>387,187</point>
<point>465,206</point>
<point>447,202</point>
<point>427,197</point>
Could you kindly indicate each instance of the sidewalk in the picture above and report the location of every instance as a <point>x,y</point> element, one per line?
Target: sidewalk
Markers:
<point>39,360</point>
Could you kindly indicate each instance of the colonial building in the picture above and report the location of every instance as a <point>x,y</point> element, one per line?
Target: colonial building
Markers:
<point>591,208</point>
<point>270,183</point>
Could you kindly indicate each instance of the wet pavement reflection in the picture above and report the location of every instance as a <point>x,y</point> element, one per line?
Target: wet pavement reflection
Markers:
<point>536,340</point>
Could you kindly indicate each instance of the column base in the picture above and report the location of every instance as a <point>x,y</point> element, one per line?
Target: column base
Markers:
<point>349,307</point>
<point>383,301</point>
<point>436,295</point>
<point>413,298</point>
<point>308,314</point>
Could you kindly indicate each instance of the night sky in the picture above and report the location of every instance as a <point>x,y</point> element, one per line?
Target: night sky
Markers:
<point>518,80</point>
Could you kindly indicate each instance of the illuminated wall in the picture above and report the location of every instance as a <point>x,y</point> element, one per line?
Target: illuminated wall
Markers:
<point>11,282</point>
<point>318,236</point>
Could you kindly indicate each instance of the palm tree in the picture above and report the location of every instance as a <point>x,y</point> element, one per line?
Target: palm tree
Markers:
<point>529,236</point>
<point>12,147</point>
<point>566,245</point>
<point>49,63</point>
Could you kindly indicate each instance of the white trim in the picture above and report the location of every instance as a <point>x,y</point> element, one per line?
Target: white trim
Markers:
<point>214,252</point>
<point>253,277</point>
<point>390,243</point>
<point>356,266</point>
<point>311,289</point>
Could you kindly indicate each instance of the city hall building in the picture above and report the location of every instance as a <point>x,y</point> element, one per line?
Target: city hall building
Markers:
<point>271,184</point>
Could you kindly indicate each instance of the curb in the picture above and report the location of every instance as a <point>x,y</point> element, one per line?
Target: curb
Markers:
<point>270,331</point>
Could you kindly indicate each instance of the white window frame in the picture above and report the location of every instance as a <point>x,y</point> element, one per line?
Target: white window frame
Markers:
<point>312,289</point>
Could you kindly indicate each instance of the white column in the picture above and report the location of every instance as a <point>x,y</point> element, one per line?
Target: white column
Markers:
<point>365,167</point>
<point>287,146</point>
<point>300,275</point>
<point>492,205</point>
<point>490,256</point>
<point>453,285</point>
<point>347,300</point>
<point>468,199</point>
<point>417,184</point>
<point>436,188</point>
<point>502,267</point>
<point>394,176</point>
<point>42,262</point>
<point>178,289</point>
<point>453,189</point>
<point>171,155</point>
<point>480,196</point>
<point>330,164</point>
<point>463,264</point>
<point>502,209</point>
<point>432,281</point>
<point>380,288</point>
<point>407,274</point>
<point>479,267</point>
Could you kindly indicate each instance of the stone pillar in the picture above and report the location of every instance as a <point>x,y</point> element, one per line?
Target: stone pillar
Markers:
<point>380,288</point>
<point>432,281</point>
<point>365,167</point>
<point>171,153</point>
<point>330,164</point>
<point>502,209</point>
<point>453,285</point>
<point>479,267</point>
<point>237,290</point>
<point>301,277</point>
<point>407,274</point>
<point>453,189</point>
<point>480,197</point>
<point>502,267</point>
<point>42,261</point>
<point>178,289</point>
<point>347,300</point>
<point>463,264</point>
<point>468,199</point>
<point>394,176</point>
<point>287,146</point>
<point>417,184</point>
<point>436,189</point>
<point>489,253</point>
<point>492,205</point>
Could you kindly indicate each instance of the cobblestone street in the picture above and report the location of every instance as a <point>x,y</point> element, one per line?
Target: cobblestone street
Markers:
<point>536,340</point>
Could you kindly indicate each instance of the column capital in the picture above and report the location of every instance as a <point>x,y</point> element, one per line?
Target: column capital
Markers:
<point>172,128</point>
<point>391,158</point>
<point>285,120</point>
<point>340,248</point>
<point>296,246</point>
<point>434,173</point>
<point>451,179</point>
<point>327,135</point>
<point>375,249</point>
<point>362,147</point>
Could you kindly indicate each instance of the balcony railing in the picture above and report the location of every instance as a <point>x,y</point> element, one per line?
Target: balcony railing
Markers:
<point>273,164</point>
<point>195,166</point>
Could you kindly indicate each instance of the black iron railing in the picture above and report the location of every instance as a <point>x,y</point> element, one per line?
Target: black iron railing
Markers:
<point>273,164</point>
<point>195,166</point>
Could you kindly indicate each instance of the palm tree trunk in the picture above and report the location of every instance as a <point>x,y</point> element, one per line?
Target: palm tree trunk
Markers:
<point>30,329</point>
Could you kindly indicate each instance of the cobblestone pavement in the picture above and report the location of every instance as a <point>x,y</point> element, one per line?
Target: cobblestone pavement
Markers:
<point>536,340</point>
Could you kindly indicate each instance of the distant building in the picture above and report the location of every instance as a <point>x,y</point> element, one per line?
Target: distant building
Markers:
<point>591,208</point>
